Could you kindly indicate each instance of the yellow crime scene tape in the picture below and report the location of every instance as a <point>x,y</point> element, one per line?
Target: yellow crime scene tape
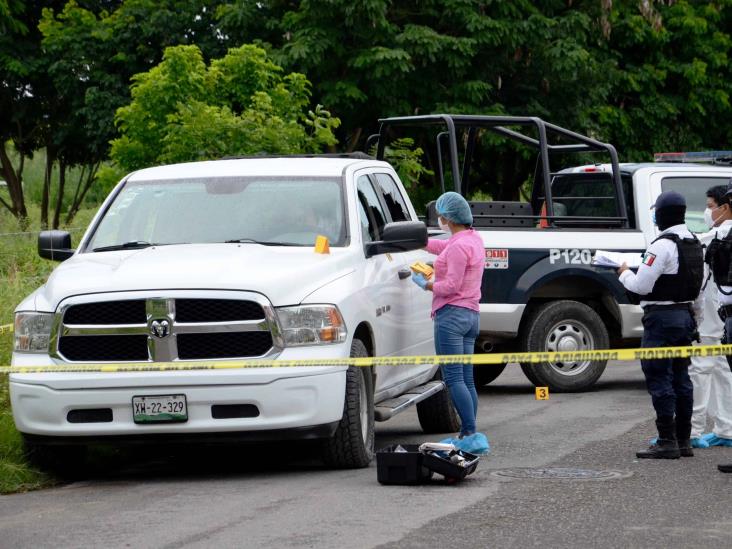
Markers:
<point>477,360</point>
<point>6,328</point>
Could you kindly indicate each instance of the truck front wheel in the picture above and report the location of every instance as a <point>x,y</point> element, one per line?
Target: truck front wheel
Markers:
<point>352,445</point>
<point>564,326</point>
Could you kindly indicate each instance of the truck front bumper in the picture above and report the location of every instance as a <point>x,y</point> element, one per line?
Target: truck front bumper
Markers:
<point>287,400</point>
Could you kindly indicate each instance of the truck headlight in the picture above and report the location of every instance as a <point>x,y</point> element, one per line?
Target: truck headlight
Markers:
<point>32,332</point>
<point>311,325</point>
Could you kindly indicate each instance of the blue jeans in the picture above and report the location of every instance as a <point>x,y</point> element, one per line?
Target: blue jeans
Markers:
<point>456,329</point>
<point>667,379</point>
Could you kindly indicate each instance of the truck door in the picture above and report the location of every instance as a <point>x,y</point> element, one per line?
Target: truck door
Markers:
<point>387,286</point>
<point>419,336</point>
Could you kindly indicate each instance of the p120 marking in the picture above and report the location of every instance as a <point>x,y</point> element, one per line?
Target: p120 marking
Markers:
<point>570,257</point>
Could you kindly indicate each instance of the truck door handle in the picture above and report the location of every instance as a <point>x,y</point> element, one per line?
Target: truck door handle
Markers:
<point>404,273</point>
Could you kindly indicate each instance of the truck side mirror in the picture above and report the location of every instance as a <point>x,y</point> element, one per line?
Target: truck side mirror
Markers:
<point>55,245</point>
<point>402,236</point>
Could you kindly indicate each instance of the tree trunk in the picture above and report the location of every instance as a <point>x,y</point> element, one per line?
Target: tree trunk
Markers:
<point>353,142</point>
<point>13,179</point>
<point>60,197</point>
<point>74,209</point>
<point>46,196</point>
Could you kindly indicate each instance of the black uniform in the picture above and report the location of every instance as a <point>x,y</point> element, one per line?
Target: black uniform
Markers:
<point>668,282</point>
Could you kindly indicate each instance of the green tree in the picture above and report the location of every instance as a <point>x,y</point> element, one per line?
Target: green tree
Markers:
<point>381,58</point>
<point>23,92</point>
<point>93,48</point>
<point>671,78</point>
<point>243,103</point>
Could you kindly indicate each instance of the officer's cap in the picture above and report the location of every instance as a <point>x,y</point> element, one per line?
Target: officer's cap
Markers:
<point>669,198</point>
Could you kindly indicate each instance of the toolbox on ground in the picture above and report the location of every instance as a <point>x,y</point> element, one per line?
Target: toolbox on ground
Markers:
<point>405,464</point>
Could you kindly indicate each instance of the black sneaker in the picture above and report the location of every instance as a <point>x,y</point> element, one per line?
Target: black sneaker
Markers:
<point>662,449</point>
<point>725,468</point>
<point>685,448</point>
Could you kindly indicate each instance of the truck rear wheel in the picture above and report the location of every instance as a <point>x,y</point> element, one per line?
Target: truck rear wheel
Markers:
<point>485,373</point>
<point>437,414</point>
<point>352,445</point>
<point>564,326</point>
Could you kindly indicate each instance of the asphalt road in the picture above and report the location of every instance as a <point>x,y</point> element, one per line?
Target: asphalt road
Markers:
<point>279,496</point>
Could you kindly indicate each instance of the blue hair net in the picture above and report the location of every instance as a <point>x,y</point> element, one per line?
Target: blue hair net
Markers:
<point>455,208</point>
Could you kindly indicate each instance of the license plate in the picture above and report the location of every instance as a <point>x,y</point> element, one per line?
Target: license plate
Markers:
<point>159,409</point>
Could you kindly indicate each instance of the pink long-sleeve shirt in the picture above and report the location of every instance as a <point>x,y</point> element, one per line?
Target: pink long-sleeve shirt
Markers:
<point>458,270</point>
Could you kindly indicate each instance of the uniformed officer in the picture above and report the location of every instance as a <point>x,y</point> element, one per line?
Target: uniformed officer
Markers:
<point>668,282</point>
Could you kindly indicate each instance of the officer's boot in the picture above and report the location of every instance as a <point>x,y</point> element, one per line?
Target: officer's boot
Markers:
<point>683,436</point>
<point>665,446</point>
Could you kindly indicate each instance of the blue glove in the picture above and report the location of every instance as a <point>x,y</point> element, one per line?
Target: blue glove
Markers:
<point>419,280</point>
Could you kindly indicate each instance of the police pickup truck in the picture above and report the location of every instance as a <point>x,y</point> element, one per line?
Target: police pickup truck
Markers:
<point>541,291</point>
<point>221,260</point>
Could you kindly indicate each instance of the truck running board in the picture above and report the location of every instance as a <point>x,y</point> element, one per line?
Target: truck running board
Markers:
<point>389,408</point>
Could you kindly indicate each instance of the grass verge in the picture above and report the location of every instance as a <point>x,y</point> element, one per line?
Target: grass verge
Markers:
<point>21,272</point>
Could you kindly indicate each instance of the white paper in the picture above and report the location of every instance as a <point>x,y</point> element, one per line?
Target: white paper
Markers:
<point>616,259</point>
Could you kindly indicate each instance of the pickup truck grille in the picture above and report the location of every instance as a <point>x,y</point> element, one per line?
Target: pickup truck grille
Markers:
<point>107,312</point>
<point>104,348</point>
<point>165,329</point>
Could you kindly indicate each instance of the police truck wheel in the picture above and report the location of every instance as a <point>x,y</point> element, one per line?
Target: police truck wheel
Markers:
<point>437,414</point>
<point>564,326</point>
<point>352,445</point>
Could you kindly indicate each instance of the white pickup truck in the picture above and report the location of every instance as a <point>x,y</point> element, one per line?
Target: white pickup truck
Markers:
<point>215,261</point>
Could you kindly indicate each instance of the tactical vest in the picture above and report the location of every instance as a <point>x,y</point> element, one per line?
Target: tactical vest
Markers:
<point>719,259</point>
<point>686,284</point>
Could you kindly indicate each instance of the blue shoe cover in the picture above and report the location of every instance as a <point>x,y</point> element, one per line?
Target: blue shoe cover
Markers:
<point>699,442</point>
<point>696,442</point>
<point>477,444</point>
<point>713,440</point>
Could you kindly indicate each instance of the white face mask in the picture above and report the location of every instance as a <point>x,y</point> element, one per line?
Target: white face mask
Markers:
<point>443,226</point>
<point>708,218</point>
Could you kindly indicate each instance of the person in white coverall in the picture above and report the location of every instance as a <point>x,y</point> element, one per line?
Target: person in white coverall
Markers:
<point>711,376</point>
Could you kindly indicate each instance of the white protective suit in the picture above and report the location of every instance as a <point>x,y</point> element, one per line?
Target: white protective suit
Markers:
<point>711,376</point>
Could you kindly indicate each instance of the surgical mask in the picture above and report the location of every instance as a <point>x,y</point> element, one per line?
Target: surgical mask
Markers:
<point>443,226</point>
<point>708,218</point>
<point>653,217</point>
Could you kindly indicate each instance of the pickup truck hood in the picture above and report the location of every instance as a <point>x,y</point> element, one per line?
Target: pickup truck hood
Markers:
<point>285,275</point>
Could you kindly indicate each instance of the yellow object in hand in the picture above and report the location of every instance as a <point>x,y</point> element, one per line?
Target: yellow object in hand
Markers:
<point>423,269</point>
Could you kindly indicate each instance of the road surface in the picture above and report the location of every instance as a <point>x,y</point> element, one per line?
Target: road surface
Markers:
<point>280,496</point>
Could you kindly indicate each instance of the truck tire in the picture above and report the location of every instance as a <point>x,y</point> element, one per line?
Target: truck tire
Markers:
<point>485,373</point>
<point>564,326</point>
<point>437,414</point>
<point>352,444</point>
<point>66,462</point>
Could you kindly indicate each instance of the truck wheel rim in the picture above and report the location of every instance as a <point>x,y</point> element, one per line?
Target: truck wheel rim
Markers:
<point>570,336</point>
<point>363,403</point>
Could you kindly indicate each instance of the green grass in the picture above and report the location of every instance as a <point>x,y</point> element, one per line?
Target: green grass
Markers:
<point>21,272</point>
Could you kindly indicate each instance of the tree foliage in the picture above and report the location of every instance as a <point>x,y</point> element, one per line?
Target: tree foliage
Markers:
<point>646,75</point>
<point>243,103</point>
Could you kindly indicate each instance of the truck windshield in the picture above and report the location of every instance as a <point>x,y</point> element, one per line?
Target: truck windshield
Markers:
<point>289,211</point>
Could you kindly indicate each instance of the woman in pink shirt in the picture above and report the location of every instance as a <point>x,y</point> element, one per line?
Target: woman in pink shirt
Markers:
<point>456,295</point>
